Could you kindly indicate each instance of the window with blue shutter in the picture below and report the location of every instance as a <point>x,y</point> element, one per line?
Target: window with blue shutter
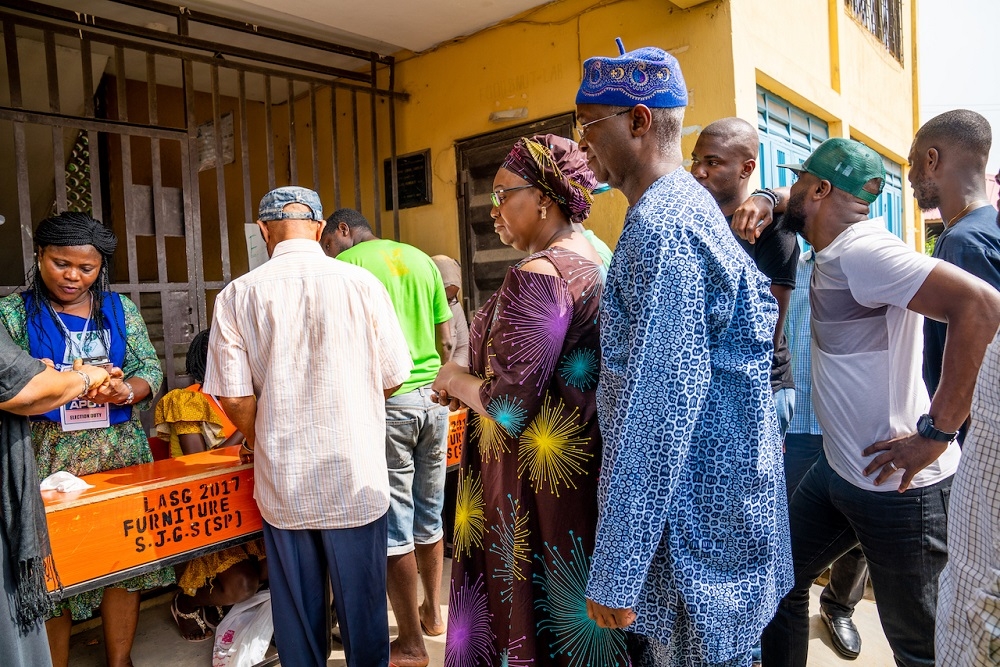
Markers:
<point>788,135</point>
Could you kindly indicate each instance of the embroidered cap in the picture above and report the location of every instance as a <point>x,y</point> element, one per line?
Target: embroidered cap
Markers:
<point>273,204</point>
<point>649,76</point>
<point>847,164</point>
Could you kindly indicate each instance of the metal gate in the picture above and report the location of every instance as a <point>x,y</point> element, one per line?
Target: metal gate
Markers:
<point>169,125</point>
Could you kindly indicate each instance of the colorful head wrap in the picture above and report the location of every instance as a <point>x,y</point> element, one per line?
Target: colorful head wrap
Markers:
<point>556,166</point>
<point>649,76</point>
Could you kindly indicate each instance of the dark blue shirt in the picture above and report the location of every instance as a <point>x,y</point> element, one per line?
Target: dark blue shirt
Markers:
<point>971,243</point>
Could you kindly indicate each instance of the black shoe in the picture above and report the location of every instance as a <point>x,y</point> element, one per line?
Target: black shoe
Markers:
<point>844,634</point>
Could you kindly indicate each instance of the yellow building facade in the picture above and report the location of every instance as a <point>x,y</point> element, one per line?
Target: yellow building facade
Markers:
<point>814,54</point>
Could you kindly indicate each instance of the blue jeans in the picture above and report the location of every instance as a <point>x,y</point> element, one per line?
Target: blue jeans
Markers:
<point>848,573</point>
<point>903,536</point>
<point>416,442</point>
<point>784,403</point>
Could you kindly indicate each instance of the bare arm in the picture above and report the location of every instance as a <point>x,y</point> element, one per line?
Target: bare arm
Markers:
<point>454,383</point>
<point>51,388</point>
<point>388,391</point>
<point>443,341</point>
<point>783,293</point>
<point>753,215</point>
<point>972,310</point>
<point>242,411</point>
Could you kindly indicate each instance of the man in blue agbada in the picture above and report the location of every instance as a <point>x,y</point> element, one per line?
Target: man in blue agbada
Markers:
<point>692,551</point>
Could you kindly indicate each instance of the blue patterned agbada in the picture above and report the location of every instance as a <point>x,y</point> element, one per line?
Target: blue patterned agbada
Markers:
<point>693,531</point>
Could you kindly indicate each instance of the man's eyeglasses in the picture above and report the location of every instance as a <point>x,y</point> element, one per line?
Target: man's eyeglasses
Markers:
<point>497,196</point>
<point>582,128</point>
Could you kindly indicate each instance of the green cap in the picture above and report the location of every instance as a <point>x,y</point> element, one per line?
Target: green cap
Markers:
<point>847,164</point>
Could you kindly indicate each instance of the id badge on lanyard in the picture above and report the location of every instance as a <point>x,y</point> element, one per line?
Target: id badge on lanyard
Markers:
<point>80,414</point>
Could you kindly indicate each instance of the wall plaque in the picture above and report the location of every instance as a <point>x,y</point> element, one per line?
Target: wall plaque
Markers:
<point>414,174</point>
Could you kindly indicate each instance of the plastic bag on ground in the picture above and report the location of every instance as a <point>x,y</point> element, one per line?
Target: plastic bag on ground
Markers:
<point>242,638</point>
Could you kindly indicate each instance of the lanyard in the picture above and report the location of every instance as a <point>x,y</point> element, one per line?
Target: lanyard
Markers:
<point>76,348</point>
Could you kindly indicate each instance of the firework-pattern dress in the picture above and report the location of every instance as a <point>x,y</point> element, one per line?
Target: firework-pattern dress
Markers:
<point>527,492</point>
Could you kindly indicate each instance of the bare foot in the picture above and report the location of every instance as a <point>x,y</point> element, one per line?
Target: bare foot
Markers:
<point>431,621</point>
<point>407,657</point>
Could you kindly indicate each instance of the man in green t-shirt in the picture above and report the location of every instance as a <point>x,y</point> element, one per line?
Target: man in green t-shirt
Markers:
<point>416,426</point>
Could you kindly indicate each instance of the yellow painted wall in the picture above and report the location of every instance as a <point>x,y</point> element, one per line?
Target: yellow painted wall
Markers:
<point>535,61</point>
<point>815,55</point>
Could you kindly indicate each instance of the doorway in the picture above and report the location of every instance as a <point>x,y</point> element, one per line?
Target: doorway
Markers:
<point>485,259</point>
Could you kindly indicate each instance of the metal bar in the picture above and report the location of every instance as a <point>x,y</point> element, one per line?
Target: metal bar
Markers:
<point>245,152</point>
<point>251,29</point>
<point>220,177</point>
<point>335,148</point>
<point>357,150</point>
<point>313,134</point>
<point>376,190</point>
<point>269,131</point>
<point>58,150</point>
<point>168,352</point>
<point>52,71</point>
<point>392,154</point>
<point>94,148</point>
<point>23,195</point>
<point>293,152</point>
<point>212,47</point>
<point>159,215</point>
<point>127,189</point>
<point>192,196</point>
<point>88,77</point>
<point>13,63</point>
<point>113,40</point>
<point>192,220</point>
<point>102,125</point>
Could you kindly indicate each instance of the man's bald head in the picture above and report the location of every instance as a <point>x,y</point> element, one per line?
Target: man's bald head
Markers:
<point>961,132</point>
<point>736,134</point>
<point>723,159</point>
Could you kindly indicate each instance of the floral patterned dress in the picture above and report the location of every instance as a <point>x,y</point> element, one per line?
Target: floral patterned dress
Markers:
<point>96,450</point>
<point>527,492</point>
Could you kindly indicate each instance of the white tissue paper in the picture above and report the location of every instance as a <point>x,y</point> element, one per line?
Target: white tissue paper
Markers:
<point>64,482</point>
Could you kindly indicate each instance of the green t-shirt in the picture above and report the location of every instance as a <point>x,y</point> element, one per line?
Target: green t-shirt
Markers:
<point>417,293</point>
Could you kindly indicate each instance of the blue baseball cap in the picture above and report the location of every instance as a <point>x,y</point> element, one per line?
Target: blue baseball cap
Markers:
<point>272,206</point>
<point>649,76</point>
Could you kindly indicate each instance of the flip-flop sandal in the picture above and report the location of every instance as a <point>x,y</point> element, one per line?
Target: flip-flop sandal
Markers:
<point>196,616</point>
<point>427,631</point>
<point>213,616</point>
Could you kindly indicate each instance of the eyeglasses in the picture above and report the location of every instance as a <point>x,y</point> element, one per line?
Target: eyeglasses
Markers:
<point>497,196</point>
<point>582,128</point>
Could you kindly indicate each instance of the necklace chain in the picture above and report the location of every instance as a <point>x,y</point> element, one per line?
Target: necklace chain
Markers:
<point>966,210</point>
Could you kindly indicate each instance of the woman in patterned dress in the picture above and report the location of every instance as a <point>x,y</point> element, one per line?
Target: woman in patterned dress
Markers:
<point>527,492</point>
<point>67,312</point>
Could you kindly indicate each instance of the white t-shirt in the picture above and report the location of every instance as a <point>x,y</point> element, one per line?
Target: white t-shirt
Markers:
<point>867,351</point>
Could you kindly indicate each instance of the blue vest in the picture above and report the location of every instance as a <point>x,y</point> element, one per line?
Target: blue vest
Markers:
<point>47,340</point>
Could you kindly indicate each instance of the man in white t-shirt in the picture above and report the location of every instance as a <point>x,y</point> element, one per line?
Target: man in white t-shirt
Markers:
<point>888,451</point>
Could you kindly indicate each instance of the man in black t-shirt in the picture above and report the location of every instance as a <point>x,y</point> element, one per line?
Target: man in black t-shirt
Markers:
<point>723,160</point>
<point>947,167</point>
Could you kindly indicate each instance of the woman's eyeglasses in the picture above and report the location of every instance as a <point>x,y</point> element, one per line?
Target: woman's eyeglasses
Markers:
<point>497,196</point>
<point>582,128</point>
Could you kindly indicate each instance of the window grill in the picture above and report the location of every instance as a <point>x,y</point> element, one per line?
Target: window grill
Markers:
<point>882,18</point>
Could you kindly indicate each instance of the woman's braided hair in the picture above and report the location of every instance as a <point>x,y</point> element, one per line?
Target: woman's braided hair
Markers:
<point>197,356</point>
<point>75,229</point>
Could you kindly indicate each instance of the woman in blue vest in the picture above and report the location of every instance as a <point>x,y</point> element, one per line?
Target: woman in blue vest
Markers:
<point>67,311</point>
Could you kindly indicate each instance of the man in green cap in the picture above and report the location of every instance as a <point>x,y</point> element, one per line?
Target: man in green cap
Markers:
<point>881,432</point>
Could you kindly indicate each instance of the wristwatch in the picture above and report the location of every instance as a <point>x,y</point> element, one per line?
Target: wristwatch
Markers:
<point>925,427</point>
